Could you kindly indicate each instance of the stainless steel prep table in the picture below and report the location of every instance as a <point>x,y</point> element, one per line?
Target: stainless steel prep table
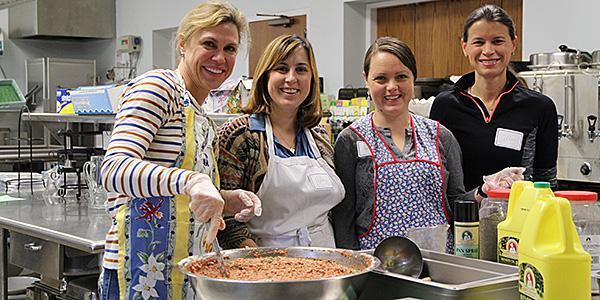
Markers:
<point>68,225</point>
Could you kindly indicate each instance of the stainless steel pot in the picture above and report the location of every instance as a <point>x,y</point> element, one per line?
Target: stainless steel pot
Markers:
<point>540,59</point>
<point>558,59</point>
<point>344,287</point>
<point>596,57</point>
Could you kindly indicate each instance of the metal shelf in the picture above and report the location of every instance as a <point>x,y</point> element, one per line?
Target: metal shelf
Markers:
<point>98,119</point>
<point>62,118</point>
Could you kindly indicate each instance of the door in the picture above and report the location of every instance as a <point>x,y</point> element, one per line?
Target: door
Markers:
<point>263,32</point>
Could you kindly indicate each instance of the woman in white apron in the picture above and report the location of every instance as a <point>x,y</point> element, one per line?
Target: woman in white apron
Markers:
<point>277,151</point>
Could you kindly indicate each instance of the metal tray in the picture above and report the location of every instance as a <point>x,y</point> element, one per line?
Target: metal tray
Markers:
<point>452,277</point>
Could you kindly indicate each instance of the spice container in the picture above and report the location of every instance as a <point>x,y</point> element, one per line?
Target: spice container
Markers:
<point>586,216</point>
<point>492,211</point>
<point>466,229</point>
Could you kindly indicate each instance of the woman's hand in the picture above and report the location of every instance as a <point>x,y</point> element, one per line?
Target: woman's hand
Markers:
<point>248,243</point>
<point>206,203</point>
<point>243,204</point>
<point>503,179</point>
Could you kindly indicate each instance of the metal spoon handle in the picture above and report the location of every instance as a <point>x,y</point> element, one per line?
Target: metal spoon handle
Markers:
<point>201,239</point>
<point>220,261</point>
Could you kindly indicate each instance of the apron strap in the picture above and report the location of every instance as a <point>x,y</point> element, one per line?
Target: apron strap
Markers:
<point>271,144</point>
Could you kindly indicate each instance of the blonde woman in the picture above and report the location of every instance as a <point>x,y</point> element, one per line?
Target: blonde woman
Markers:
<point>161,163</point>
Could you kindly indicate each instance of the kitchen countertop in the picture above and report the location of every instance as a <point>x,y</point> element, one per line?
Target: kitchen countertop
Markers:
<point>71,224</point>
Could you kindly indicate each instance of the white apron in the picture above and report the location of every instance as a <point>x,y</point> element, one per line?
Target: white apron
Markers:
<point>297,194</point>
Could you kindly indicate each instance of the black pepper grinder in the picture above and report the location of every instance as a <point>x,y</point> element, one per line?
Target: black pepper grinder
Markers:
<point>466,229</point>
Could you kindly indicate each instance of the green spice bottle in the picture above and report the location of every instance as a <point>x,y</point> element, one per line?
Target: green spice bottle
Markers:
<point>466,229</point>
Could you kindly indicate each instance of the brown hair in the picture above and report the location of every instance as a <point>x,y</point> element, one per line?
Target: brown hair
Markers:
<point>393,46</point>
<point>491,13</point>
<point>310,111</point>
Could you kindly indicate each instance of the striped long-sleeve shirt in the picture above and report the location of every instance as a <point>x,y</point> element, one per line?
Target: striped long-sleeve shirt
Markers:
<point>146,142</point>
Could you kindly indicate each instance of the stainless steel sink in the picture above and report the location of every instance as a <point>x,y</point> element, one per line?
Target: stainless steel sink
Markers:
<point>446,277</point>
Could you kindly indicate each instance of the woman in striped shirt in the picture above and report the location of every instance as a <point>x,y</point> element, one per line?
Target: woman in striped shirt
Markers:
<point>160,164</point>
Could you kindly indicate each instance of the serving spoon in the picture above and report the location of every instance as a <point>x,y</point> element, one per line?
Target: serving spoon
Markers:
<point>400,255</point>
<point>213,247</point>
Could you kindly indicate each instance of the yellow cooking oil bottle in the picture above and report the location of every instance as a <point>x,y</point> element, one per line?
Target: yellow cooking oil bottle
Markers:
<point>552,262</point>
<point>523,195</point>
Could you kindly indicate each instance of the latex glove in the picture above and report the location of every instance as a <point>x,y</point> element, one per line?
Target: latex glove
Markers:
<point>503,179</point>
<point>244,204</point>
<point>205,200</point>
<point>216,223</point>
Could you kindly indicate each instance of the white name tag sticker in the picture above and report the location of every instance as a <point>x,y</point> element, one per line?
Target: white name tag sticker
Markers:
<point>507,138</point>
<point>362,149</point>
<point>321,181</point>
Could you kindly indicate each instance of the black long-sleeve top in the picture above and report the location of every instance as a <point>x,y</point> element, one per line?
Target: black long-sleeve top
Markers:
<point>521,131</point>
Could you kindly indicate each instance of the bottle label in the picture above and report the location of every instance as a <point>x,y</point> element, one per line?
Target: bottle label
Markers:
<point>508,250</point>
<point>531,282</point>
<point>466,239</point>
<point>591,244</point>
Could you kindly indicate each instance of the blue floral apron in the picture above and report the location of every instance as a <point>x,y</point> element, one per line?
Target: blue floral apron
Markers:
<point>159,231</point>
<point>408,193</point>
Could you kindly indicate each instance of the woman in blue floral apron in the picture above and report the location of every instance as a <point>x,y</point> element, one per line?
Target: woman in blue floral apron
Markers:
<point>400,170</point>
<point>160,166</point>
<point>400,151</point>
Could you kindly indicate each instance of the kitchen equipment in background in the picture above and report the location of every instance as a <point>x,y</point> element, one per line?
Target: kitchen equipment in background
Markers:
<point>430,87</point>
<point>445,276</point>
<point>575,93</point>
<point>567,58</point>
<point>91,174</point>
<point>62,19</point>
<point>341,287</point>
<point>52,73</point>
<point>400,255</point>
<point>10,94</point>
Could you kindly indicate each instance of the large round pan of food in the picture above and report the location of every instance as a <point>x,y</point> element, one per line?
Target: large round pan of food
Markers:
<point>280,273</point>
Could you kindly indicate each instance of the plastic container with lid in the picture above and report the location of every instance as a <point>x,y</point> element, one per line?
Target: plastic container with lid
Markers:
<point>523,195</point>
<point>491,212</point>
<point>552,262</point>
<point>586,216</point>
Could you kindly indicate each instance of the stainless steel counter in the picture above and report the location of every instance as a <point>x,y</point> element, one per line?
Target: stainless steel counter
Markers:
<point>68,225</point>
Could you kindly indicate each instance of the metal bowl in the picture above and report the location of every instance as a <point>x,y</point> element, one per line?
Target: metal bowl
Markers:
<point>341,287</point>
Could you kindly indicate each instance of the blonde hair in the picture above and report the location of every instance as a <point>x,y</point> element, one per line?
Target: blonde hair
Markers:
<point>310,111</point>
<point>210,14</point>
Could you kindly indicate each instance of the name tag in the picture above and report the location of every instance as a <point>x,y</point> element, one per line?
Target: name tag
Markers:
<point>321,181</point>
<point>362,149</point>
<point>507,138</point>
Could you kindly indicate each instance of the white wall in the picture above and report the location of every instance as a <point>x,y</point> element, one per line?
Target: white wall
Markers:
<point>324,28</point>
<point>549,23</point>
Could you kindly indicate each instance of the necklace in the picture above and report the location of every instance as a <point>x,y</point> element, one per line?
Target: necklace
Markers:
<point>285,142</point>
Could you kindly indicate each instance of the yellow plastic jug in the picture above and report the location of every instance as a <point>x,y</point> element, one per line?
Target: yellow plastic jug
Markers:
<point>523,195</point>
<point>552,262</point>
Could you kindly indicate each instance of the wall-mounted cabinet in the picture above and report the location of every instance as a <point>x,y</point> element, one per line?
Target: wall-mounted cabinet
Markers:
<point>62,19</point>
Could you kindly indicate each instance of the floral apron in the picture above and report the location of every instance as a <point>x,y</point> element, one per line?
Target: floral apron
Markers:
<point>408,193</point>
<point>159,231</point>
